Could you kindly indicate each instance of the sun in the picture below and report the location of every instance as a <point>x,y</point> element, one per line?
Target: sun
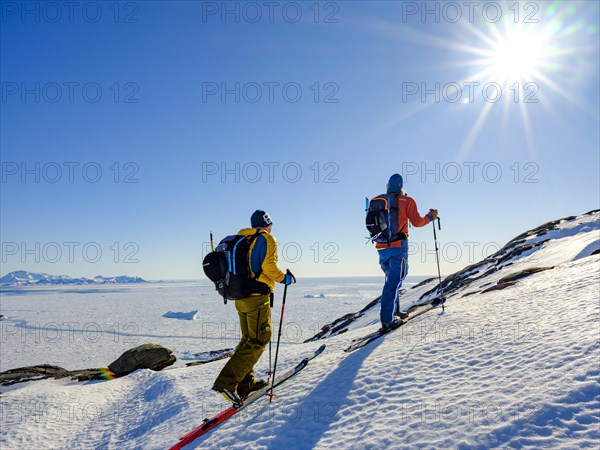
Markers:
<point>512,53</point>
<point>516,58</point>
<point>528,63</point>
<point>534,59</point>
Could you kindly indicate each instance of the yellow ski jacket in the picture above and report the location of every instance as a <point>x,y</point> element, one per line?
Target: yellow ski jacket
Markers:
<point>270,274</point>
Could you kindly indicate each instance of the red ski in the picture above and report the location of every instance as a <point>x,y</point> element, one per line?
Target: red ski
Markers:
<point>209,424</point>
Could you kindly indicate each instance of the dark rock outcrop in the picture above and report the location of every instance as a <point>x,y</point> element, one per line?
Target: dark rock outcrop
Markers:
<point>499,286</point>
<point>470,293</point>
<point>522,274</point>
<point>146,356</point>
<point>210,356</point>
<point>89,374</point>
<point>45,371</point>
<point>29,373</point>
<point>340,325</point>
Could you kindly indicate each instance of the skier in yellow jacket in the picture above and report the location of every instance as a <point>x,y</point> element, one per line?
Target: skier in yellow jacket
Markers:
<point>236,380</point>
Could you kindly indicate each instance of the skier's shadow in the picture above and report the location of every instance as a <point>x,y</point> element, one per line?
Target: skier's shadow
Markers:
<point>305,423</point>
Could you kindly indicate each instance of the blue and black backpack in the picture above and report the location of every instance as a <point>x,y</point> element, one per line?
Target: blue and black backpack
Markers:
<point>229,268</point>
<point>382,219</point>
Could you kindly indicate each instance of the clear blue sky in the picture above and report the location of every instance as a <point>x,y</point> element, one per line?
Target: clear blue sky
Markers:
<point>169,130</point>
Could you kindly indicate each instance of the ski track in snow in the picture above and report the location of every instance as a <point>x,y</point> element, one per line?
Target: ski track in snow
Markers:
<point>511,368</point>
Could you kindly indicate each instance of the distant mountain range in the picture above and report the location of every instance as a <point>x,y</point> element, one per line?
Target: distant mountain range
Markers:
<point>23,278</point>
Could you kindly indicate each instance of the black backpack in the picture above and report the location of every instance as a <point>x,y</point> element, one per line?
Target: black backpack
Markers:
<point>382,219</point>
<point>229,268</point>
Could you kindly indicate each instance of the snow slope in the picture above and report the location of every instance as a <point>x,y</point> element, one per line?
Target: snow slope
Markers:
<point>511,367</point>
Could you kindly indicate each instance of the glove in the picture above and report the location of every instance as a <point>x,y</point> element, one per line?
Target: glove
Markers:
<point>432,214</point>
<point>289,278</point>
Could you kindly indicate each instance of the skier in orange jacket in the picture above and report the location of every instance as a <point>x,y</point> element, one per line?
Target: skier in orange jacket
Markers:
<point>393,255</point>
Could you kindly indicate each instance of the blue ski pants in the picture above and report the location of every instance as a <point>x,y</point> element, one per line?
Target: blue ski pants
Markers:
<point>394,262</point>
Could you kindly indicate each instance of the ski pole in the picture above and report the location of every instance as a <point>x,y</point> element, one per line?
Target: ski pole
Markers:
<point>279,336</point>
<point>270,365</point>
<point>271,301</point>
<point>212,243</point>
<point>437,258</point>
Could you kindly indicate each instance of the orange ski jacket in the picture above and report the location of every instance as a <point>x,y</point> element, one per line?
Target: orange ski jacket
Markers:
<point>407,210</point>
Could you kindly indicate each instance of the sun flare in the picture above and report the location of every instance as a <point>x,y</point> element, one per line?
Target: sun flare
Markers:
<point>535,58</point>
<point>530,63</point>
